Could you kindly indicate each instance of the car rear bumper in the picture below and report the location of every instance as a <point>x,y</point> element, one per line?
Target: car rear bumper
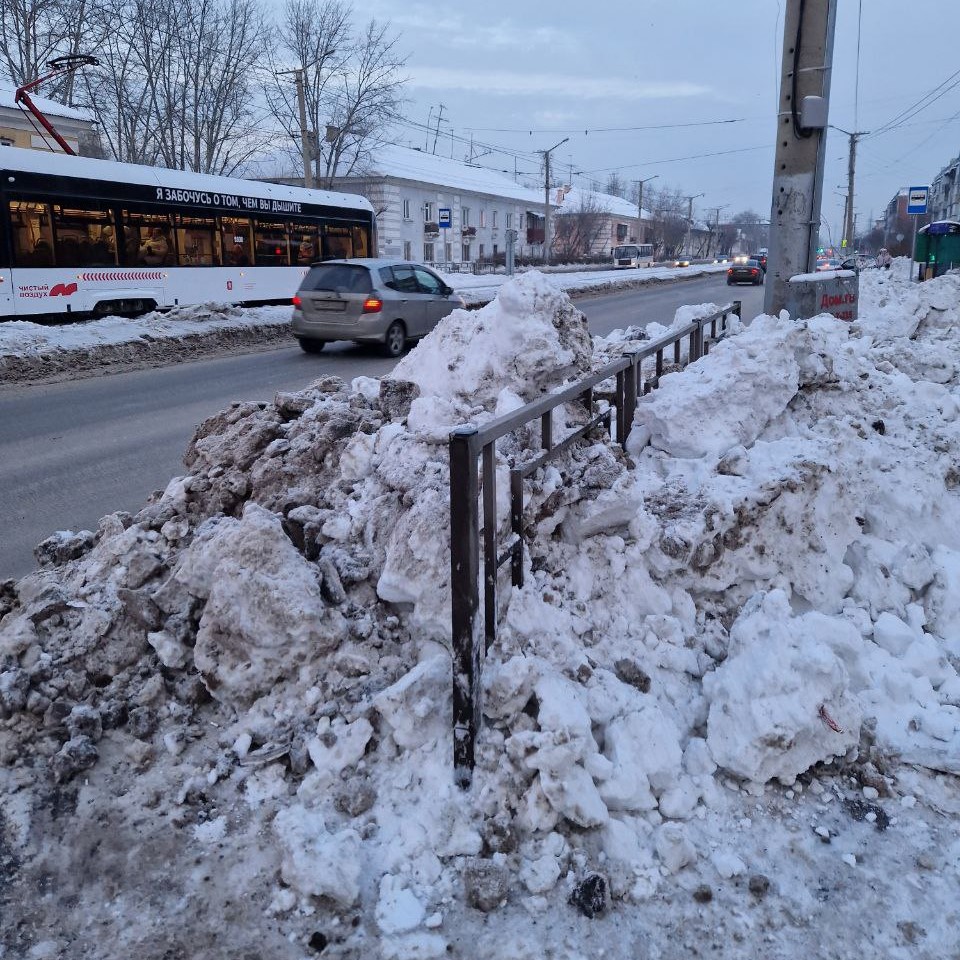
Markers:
<point>371,328</point>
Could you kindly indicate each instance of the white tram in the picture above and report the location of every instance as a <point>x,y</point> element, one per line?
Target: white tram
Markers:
<point>96,237</point>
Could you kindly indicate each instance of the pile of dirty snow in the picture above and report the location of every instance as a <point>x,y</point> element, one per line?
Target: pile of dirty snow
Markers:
<point>721,716</point>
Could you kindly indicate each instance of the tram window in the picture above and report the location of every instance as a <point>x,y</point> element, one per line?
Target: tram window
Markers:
<point>84,237</point>
<point>303,244</point>
<point>360,242</point>
<point>236,241</point>
<point>197,241</point>
<point>147,239</point>
<point>337,243</point>
<point>32,233</point>
<point>272,249</point>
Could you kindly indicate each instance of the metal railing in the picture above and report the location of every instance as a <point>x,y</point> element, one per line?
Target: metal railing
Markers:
<point>469,443</point>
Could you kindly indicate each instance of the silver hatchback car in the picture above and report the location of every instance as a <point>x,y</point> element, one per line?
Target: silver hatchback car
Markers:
<point>389,302</point>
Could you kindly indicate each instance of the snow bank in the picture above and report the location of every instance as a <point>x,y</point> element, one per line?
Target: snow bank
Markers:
<point>730,670</point>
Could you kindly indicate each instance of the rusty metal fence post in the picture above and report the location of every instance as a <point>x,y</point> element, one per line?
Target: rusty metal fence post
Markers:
<point>465,598</point>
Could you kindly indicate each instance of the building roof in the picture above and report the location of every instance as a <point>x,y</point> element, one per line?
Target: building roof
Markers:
<point>406,163</point>
<point>49,107</point>
<point>574,198</point>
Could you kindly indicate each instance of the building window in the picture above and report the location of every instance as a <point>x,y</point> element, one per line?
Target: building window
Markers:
<point>6,142</point>
<point>494,224</point>
<point>483,219</point>
<point>428,252</point>
<point>448,252</point>
<point>466,253</point>
<point>427,212</point>
<point>465,216</point>
<point>481,245</point>
<point>509,221</point>
<point>407,250</point>
<point>406,209</point>
<point>495,249</point>
<point>621,232</point>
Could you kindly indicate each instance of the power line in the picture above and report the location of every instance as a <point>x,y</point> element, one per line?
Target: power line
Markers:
<point>925,101</point>
<point>693,156</point>
<point>654,126</point>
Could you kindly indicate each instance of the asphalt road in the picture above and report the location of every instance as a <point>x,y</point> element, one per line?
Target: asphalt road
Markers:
<point>72,452</point>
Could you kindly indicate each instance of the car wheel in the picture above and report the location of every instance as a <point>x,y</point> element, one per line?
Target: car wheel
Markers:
<point>311,346</point>
<point>395,340</point>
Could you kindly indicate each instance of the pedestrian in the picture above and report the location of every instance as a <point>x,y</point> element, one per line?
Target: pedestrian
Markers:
<point>884,259</point>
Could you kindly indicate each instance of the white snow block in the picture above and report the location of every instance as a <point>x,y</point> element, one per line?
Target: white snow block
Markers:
<point>780,702</point>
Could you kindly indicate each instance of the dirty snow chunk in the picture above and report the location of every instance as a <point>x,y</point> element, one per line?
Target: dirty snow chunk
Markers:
<point>338,745</point>
<point>745,382</point>
<point>210,831</point>
<point>530,339</point>
<point>674,848</point>
<point>645,751</point>
<point>766,698</point>
<point>540,875</point>
<point>263,618</point>
<point>727,864</point>
<point>398,909</point>
<point>317,863</point>
<point>409,706</point>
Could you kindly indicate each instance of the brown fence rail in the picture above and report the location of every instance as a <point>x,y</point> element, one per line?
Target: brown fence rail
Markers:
<point>470,443</point>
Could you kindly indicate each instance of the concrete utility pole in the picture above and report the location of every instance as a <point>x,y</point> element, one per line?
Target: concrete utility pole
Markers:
<point>641,233</point>
<point>849,217</point>
<point>808,30</point>
<point>546,198</point>
<point>686,239</point>
<point>304,133</point>
<point>716,226</point>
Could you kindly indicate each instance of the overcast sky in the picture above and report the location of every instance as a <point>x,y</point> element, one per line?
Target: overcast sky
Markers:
<point>503,68</point>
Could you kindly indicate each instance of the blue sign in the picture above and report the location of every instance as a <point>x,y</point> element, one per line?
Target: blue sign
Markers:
<point>917,200</point>
<point>444,217</point>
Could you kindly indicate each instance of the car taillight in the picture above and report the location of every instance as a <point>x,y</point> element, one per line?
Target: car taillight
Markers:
<point>730,270</point>
<point>297,301</point>
<point>753,272</point>
<point>372,305</point>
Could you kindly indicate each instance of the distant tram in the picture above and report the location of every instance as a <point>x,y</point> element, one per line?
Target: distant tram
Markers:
<point>633,255</point>
<point>95,237</point>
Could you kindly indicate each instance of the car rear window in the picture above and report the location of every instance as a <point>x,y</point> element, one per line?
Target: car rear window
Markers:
<point>338,277</point>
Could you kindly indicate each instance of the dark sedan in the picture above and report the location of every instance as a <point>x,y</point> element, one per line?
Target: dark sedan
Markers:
<point>745,271</point>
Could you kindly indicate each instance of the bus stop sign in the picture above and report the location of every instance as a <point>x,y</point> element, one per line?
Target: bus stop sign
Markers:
<point>917,200</point>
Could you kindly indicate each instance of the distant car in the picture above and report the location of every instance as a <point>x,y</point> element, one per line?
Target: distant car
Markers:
<point>827,263</point>
<point>761,258</point>
<point>388,302</point>
<point>681,263</point>
<point>747,271</point>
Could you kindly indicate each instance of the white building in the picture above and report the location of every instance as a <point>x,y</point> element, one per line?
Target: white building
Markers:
<point>443,211</point>
<point>16,129</point>
<point>602,221</point>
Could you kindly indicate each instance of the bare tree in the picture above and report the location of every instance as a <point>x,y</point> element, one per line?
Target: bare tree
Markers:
<point>615,185</point>
<point>753,231</point>
<point>576,231</point>
<point>352,83</point>
<point>668,211</point>
<point>369,97</point>
<point>34,31</point>
<point>132,43</point>
<point>175,84</point>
